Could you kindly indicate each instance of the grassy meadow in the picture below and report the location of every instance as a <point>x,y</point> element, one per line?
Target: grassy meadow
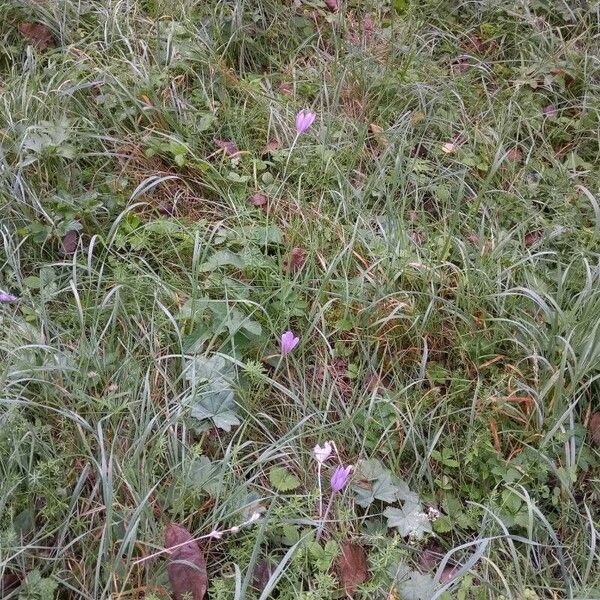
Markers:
<point>432,239</point>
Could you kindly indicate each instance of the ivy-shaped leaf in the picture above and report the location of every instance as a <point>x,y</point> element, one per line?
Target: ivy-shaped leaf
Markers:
<point>417,587</point>
<point>282,480</point>
<point>410,520</point>
<point>212,396</point>
<point>374,482</point>
<point>219,406</point>
<point>205,476</point>
<point>412,585</point>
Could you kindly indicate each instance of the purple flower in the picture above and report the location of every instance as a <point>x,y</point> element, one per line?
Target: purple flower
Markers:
<point>304,119</point>
<point>340,478</point>
<point>4,297</point>
<point>288,342</point>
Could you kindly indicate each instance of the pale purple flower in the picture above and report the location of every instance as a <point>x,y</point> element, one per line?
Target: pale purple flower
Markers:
<point>322,454</point>
<point>340,478</point>
<point>4,297</point>
<point>288,342</point>
<point>304,119</point>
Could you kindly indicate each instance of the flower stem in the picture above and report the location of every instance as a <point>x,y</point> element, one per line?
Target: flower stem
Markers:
<point>320,491</point>
<point>287,162</point>
<point>327,510</point>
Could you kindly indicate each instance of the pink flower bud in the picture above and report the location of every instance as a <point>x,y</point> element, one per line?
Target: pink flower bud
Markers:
<point>288,342</point>
<point>304,119</point>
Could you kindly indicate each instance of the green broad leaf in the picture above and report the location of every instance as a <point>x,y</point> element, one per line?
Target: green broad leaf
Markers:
<point>269,234</point>
<point>282,480</point>
<point>209,368</point>
<point>212,396</point>
<point>205,476</point>
<point>377,483</point>
<point>291,534</point>
<point>369,470</point>
<point>218,406</point>
<point>443,524</point>
<point>223,258</point>
<point>205,122</point>
<point>323,556</point>
<point>417,587</point>
<point>235,178</point>
<point>410,520</point>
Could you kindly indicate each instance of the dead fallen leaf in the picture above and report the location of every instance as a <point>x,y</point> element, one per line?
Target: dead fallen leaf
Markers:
<point>187,567</point>
<point>448,573</point>
<point>368,25</point>
<point>37,34</point>
<point>286,88</point>
<point>295,261</point>
<point>475,44</point>
<point>258,200</point>
<point>166,208</point>
<point>228,147</point>
<point>449,148</point>
<point>532,238</point>
<point>429,560</point>
<point>262,574</point>
<point>594,428</point>
<point>419,151</point>
<point>69,243</point>
<point>514,155</point>
<point>378,135</point>
<point>352,567</point>
<point>416,117</point>
<point>417,237</point>
<point>8,583</point>
<point>460,66</point>
<point>473,238</point>
<point>271,146</point>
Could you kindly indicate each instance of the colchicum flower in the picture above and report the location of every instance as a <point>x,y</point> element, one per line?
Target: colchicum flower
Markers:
<point>4,297</point>
<point>304,119</point>
<point>340,478</point>
<point>322,454</point>
<point>288,342</point>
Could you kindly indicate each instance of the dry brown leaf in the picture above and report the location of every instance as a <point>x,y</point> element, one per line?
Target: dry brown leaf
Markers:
<point>378,135</point>
<point>271,146</point>
<point>417,237</point>
<point>352,567</point>
<point>69,243</point>
<point>8,583</point>
<point>262,574</point>
<point>533,237</point>
<point>514,155</point>
<point>37,35</point>
<point>594,428</point>
<point>460,66</point>
<point>286,88</point>
<point>187,567</point>
<point>419,151</point>
<point>258,200</point>
<point>416,117</point>
<point>295,260</point>
<point>448,573</point>
<point>228,147</point>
